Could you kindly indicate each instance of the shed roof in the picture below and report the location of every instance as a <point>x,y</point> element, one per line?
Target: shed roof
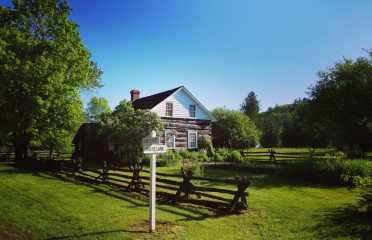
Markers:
<point>83,128</point>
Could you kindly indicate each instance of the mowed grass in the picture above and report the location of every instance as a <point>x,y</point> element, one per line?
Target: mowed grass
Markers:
<point>40,205</point>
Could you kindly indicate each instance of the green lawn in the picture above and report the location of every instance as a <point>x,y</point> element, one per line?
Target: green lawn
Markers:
<point>36,205</point>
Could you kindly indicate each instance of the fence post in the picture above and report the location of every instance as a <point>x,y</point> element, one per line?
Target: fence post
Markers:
<point>77,164</point>
<point>272,155</point>
<point>242,184</point>
<point>136,181</point>
<point>186,186</point>
<point>104,174</point>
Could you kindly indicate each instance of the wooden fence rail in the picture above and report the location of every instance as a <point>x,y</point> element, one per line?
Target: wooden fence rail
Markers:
<point>278,157</point>
<point>38,155</point>
<point>180,188</point>
<point>271,156</point>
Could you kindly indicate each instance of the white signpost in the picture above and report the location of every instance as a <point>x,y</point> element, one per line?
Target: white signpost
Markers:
<point>151,145</point>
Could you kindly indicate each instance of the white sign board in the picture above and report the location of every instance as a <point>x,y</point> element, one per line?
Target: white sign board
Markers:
<point>152,145</point>
<point>155,149</point>
<point>150,141</point>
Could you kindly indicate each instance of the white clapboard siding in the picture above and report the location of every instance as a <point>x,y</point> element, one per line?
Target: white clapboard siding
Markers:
<point>181,101</point>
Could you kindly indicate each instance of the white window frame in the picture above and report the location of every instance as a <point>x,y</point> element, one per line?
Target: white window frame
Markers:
<point>174,138</point>
<point>166,104</point>
<point>190,115</point>
<point>109,147</point>
<point>188,140</point>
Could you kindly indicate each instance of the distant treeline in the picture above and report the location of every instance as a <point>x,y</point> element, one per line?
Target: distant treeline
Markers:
<point>337,111</point>
<point>288,126</point>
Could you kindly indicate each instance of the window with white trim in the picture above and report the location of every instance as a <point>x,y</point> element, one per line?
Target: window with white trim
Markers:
<point>170,139</point>
<point>192,111</point>
<point>192,140</point>
<point>109,147</point>
<point>169,109</point>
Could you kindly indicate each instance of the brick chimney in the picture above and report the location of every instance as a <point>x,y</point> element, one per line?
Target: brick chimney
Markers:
<point>134,94</point>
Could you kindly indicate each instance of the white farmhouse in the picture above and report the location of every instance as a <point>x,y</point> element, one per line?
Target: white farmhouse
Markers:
<point>185,118</point>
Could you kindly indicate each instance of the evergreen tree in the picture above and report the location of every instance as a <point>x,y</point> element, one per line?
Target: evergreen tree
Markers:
<point>251,106</point>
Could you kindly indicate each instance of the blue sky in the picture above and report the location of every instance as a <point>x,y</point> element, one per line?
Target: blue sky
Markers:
<point>220,50</point>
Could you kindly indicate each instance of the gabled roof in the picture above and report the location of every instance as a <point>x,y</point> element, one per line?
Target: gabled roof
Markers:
<point>82,130</point>
<point>200,105</point>
<point>151,101</point>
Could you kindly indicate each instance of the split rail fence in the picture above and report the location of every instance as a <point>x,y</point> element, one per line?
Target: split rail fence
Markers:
<point>172,187</point>
<point>38,155</point>
<point>271,156</point>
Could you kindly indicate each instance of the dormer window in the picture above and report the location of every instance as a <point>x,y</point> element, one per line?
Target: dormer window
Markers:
<point>169,109</point>
<point>192,111</point>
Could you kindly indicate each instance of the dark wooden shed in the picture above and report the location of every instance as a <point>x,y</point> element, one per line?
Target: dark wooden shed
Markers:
<point>88,144</point>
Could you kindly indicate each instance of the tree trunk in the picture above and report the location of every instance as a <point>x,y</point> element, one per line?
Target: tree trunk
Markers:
<point>51,150</point>
<point>230,143</point>
<point>20,148</point>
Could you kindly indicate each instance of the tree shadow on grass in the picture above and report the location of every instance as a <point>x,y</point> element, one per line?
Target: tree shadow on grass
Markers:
<point>164,230</point>
<point>11,168</point>
<point>140,199</point>
<point>91,234</point>
<point>344,222</point>
<point>268,181</point>
<point>187,211</point>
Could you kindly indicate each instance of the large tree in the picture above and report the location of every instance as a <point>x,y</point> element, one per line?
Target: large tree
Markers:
<point>233,129</point>
<point>271,124</point>
<point>126,127</point>
<point>341,102</point>
<point>298,130</point>
<point>251,106</point>
<point>290,125</point>
<point>43,67</point>
<point>97,106</point>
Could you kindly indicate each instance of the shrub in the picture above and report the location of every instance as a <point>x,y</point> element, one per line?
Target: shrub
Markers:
<point>332,168</point>
<point>178,157</point>
<point>355,153</point>
<point>193,166</point>
<point>202,157</point>
<point>168,159</point>
<point>164,159</point>
<point>337,167</point>
<point>233,129</point>
<point>218,157</point>
<point>206,144</point>
<point>365,202</point>
<point>185,153</point>
<point>224,152</point>
<point>355,168</point>
<point>235,156</point>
